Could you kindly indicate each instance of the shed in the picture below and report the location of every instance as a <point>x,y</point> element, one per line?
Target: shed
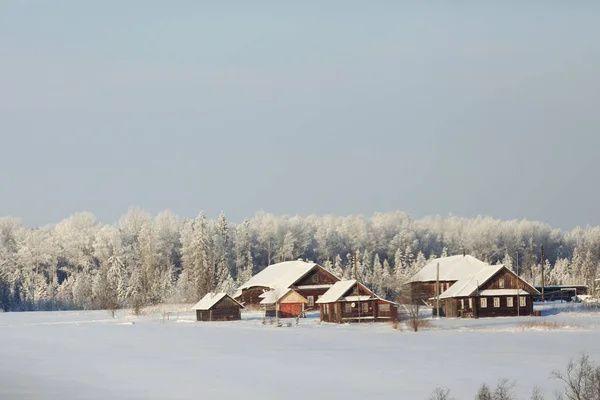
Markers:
<point>289,304</point>
<point>218,307</point>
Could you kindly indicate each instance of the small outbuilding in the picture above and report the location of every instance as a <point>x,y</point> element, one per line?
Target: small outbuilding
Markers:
<point>351,301</point>
<point>288,304</point>
<point>218,307</point>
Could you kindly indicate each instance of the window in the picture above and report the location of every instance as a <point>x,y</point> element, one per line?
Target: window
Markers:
<point>501,283</point>
<point>384,307</point>
<point>496,302</point>
<point>471,303</point>
<point>523,301</point>
<point>483,302</point>
<point>325,309</point>
<point>315,278</point>
<point>348,309</point>
<point>311,300</point>
<point>365,307</point>
<point>509,302</point>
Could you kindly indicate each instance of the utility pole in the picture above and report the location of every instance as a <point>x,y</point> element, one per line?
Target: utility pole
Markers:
<point>542,265</point>
<point>437,290</point>
<point>518,282</point>
<point>357,284</point>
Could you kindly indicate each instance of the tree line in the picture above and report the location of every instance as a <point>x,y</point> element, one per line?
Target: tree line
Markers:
<point>80,263</point>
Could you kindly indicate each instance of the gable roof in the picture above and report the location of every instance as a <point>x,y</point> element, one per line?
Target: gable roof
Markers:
<point>338,290</point>
<point>271,297</point>
<point>469,285</point>
<point>453,268</point>
<point>211,299</point>
<point>279,276</point>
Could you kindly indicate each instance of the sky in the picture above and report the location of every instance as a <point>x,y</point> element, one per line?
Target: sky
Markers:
<point>349,107</point>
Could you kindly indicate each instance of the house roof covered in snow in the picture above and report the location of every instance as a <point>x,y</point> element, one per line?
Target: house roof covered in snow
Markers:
<point>272,296</point>
<point>210,300</point>
<point>338,290</point>
<point>279,276</point>
<point>503,292</point>
<point>467,285</point>
<point>453,268</point>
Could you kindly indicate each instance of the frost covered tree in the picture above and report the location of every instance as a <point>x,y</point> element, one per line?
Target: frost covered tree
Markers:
<point>195,254</point>
<point>338,266</point>
<point>244,261</point>
<point>66,265</point>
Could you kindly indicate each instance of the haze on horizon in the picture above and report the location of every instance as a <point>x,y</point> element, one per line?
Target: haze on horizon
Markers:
<point>300,109</point>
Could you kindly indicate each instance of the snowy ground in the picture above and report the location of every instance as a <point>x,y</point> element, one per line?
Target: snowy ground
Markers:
<point>89,355</point>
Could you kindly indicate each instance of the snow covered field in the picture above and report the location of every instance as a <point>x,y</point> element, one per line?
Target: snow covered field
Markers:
<point>89,355</point>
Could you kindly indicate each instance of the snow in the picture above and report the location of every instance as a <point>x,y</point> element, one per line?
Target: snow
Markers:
<point>469,284</point>
<point>452,268</point>
<point>272,296</point>
<point>90,355</point>
<point>278,276</point>
<point>503,292</point>
<point>338,289</point>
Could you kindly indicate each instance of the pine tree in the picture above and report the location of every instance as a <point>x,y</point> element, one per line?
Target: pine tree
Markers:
<point>365,271</point>
<point>386,278</point>
<point>377,276</point>
<point>338,267</point>
<point>507,261</point>
<point>287,249</point>
<point>223,280</point>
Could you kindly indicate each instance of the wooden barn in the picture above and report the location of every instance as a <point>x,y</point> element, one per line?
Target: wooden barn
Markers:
<point>308,279</point>
<point>351,301</point>
<point>493,292</point>
<point>218,307</point>
<point>287,304</point>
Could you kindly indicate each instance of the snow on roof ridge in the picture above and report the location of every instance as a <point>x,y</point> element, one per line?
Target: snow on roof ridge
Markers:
<point>466,286</point>
<point>452,268</point>
<point>338,290</point>
<point>209,300</point>
<point>279,275</point>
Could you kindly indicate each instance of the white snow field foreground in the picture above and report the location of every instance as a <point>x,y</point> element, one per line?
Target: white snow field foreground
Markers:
<point>89,355</point>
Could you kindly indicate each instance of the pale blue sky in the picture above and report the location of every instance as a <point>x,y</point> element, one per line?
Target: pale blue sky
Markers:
<point>343,107</point>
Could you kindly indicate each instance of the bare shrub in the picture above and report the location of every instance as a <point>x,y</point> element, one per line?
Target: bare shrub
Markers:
<point>484,393</point>
<point>537,394</point>
<point>581,379</point>
<point>441,394</point>
<point>411,313</point>
<point>503,391</point>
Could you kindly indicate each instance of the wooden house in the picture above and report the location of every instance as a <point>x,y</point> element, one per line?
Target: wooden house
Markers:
<point>422,285</point>
<point>351,301</point>
<point>494,291</point>
<point>307,279</point>
<point>218,307</point>
<point>287,304</point>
